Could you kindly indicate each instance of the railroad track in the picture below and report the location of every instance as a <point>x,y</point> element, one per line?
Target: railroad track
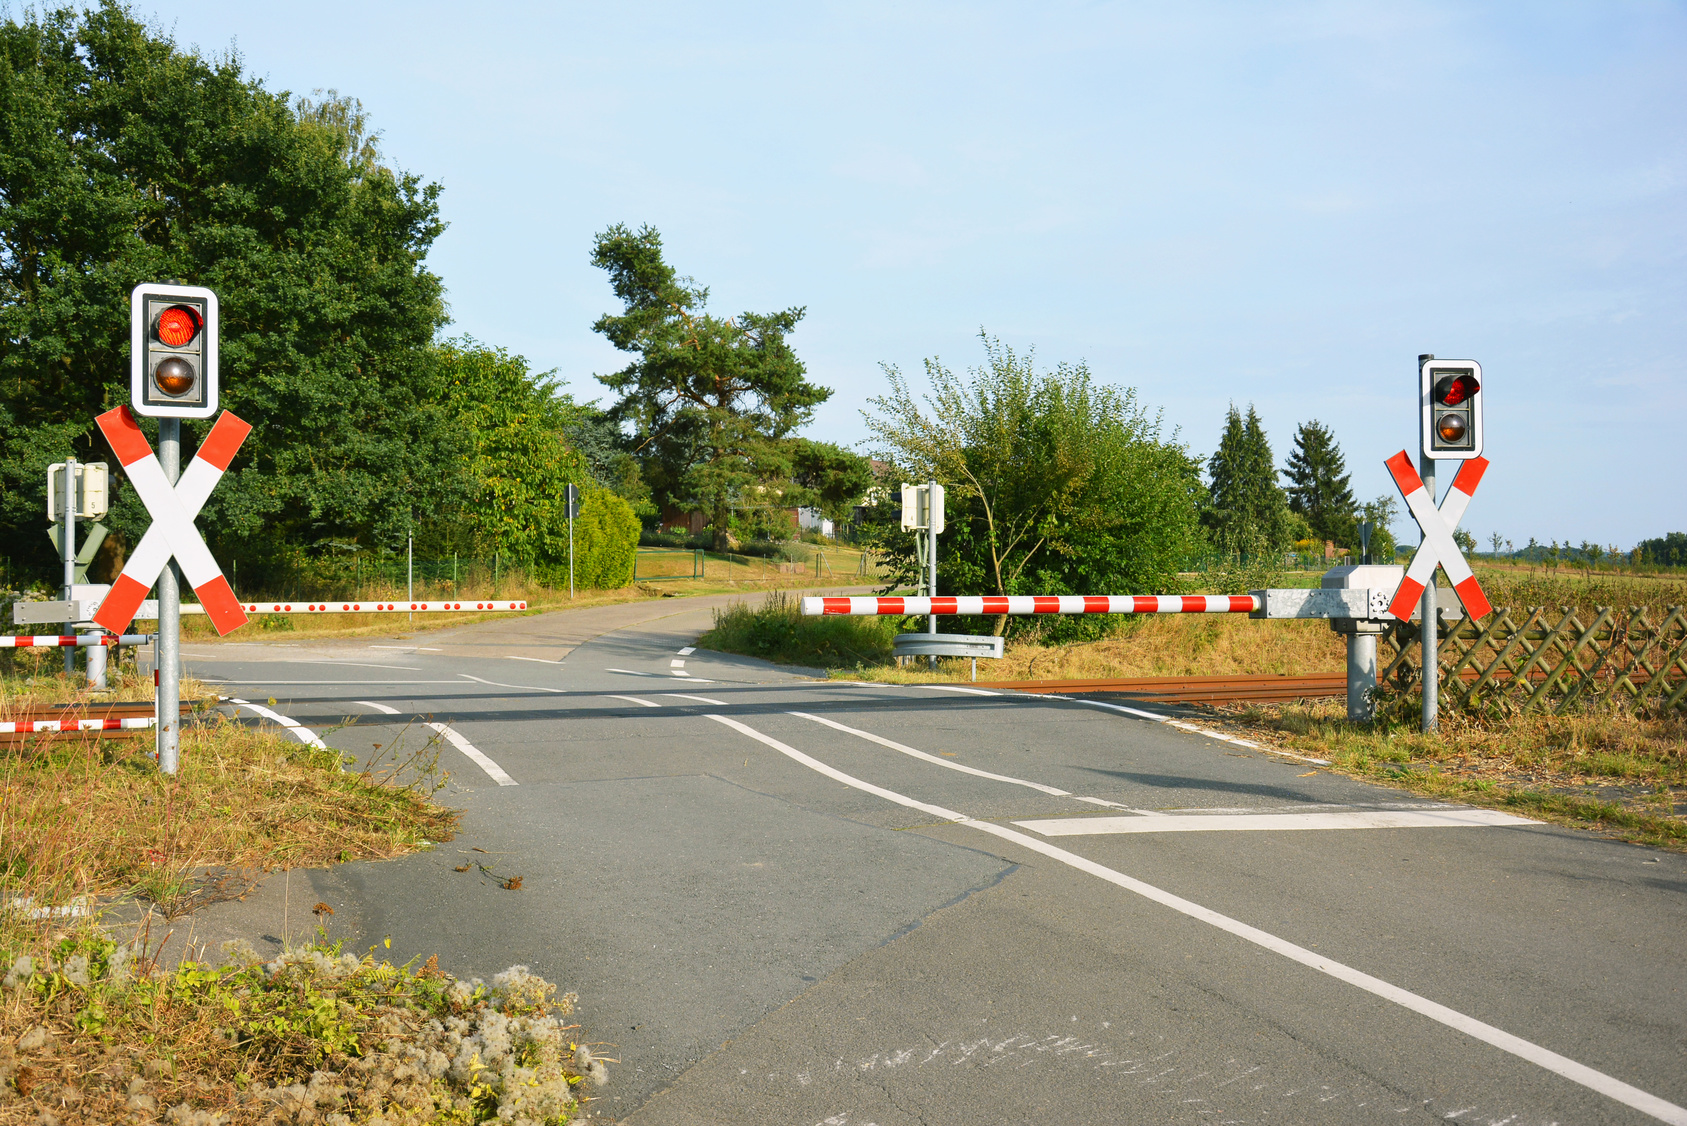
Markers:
<point>1266,689</point>
<point>1195,689</point>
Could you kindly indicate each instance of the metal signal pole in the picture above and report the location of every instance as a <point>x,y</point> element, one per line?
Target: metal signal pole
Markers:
<point>169,619</point>
<point>1431,644</point>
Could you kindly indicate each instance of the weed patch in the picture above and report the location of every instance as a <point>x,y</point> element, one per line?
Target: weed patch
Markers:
<point>777,631</point>
<point>91,1033</point>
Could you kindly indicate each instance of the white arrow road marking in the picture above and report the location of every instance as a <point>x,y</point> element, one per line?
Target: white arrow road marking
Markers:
<point>300,731</point>
<point>1255,822</point>
<point>1607,1085</point>
<point>493,770</point>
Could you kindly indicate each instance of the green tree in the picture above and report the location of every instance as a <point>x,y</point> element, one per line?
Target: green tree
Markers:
<point>124,158</point>
<point>833,479</point>
<point>1318,483</point>
<point>513,424</point>
<point>605,541</point>
<point>1249,514</point>
<point>1381,513</point>
<point>712,401</point>
<point>1055,484</point>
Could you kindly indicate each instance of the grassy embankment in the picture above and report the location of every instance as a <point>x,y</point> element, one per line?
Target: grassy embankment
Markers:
<point>1617,770</point>
<point>94,1030</point>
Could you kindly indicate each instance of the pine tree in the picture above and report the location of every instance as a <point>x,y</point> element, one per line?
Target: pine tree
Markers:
<point>1318,477</point>
<point>1249,513</point>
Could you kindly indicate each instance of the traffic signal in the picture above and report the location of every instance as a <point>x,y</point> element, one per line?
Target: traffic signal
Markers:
<point>173,351</point>
<point>1450,392</point>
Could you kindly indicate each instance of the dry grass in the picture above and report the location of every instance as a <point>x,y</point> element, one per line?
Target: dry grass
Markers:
<point>96,818</point>
<point>1612,770</point>
<point>1160,645</point>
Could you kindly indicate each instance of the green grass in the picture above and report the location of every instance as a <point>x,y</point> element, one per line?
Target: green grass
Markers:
<point>778,631</point>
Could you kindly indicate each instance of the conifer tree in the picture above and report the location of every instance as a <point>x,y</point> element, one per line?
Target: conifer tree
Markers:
<point>1318,482</point>
<point>1249,513</point>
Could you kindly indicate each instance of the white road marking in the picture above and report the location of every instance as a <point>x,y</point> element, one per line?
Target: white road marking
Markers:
<point>1580,1073</point>
<point>924,757</point>
<point>535,660</point>
<point>493,770</point>
<point>688,651</point>
<point>500,684</point>
<point>304,734</point>
<point>700,699</point>
<point>382,683</point>
<point>956,688</point>
<point>1252,822</point>
<point>676,663</point>
<point>429,649</point>
<point>331,662</point>
<point>633,699</point>
<point>403,648</point>
<point>693,679</point>
<point>382,708</point>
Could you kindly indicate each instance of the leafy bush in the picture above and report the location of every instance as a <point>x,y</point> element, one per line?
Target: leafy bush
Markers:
<point>606,536</point>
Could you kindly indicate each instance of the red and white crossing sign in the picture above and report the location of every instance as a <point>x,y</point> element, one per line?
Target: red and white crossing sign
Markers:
<point>172,532</point>
<point>1438,546</point>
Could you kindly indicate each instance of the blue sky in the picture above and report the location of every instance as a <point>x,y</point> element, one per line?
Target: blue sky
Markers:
<point>1280,204</point>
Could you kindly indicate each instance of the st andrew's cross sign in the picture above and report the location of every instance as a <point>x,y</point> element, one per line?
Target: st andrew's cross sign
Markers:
<point>172,533</point>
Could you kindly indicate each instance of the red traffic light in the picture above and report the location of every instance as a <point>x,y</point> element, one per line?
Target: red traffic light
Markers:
<point>178,325</point>
<point>1451,390</point>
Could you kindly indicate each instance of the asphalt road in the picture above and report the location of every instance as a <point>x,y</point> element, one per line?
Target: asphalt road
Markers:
<point>800,902</point>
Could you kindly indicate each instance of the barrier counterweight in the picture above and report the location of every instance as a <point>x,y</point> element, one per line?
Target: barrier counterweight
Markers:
<point>1017,604</point>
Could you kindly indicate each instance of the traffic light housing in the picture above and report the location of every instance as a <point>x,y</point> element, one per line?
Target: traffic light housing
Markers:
<point>173,351</point>
<point>1450,394</point>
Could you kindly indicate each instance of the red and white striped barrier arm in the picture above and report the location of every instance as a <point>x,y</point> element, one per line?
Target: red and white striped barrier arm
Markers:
<point>379,607</point>
<point>1038,604</point>
<point>172,532</point>
<point>73,641</point>
<point>29,726</point>
<point>1438,545</point>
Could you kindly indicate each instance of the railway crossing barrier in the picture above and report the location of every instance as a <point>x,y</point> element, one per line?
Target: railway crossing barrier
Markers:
<point>1355,601</point>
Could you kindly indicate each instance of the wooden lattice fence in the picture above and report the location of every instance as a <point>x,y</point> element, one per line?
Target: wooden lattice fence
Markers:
<point>1552,662</point>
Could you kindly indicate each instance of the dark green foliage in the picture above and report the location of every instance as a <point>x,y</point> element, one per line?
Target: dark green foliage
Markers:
<point>1668,550</point>
<point>1056,484</point>
<point>1318,483</point>
<point>1249,514</point>
<point>712,401</point>
<point>125,159</point>
<point>834,479</point>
